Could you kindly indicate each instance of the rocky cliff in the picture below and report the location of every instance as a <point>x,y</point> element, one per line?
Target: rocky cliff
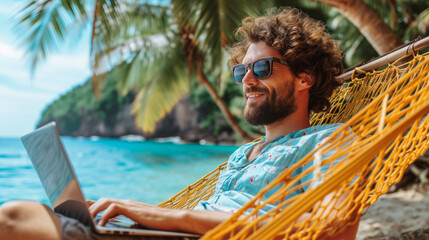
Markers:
<point>78,113</point>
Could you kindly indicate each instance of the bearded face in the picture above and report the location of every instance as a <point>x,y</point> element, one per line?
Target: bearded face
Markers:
<point>274,106</point>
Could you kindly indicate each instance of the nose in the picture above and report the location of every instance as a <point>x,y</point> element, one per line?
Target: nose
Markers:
<point>249,78</point>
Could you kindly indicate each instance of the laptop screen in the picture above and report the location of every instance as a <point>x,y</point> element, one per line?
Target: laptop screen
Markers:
<point>50,161</point>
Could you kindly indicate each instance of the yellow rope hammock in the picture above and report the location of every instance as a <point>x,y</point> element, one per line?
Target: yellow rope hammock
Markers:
<point>386,129</point>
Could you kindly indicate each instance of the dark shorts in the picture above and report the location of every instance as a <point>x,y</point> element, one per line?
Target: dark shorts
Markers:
<point>74,230</point>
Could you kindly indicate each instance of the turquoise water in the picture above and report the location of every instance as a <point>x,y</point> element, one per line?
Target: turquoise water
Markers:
<point>145,171</point>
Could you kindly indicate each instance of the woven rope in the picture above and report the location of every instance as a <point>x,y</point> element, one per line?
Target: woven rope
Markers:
<point>386,129</point>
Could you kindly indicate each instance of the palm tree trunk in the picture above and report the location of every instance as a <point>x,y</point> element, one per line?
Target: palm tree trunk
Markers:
<point>223,108</point>
<point>370,24</point>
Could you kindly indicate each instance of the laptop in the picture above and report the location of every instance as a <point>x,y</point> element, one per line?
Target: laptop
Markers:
<point>55,171</point>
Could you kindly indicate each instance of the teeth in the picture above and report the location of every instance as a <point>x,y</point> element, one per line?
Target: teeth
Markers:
<point>254,95</point>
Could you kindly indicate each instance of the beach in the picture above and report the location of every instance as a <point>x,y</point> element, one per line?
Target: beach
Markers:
<point>395,213</point>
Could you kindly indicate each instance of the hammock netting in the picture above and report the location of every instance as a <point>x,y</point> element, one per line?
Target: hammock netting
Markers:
<point>385,129</point>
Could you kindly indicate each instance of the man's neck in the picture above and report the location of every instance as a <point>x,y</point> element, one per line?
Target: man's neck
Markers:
<point>296,121</point>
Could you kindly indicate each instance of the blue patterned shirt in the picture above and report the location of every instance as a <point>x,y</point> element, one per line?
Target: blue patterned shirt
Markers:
<point>242,180</point>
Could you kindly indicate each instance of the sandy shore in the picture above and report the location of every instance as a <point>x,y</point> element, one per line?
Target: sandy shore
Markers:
<point>394,213</point>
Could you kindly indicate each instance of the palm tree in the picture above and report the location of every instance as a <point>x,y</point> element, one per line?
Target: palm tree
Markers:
<point>157,49</point>
<point>147,56</point>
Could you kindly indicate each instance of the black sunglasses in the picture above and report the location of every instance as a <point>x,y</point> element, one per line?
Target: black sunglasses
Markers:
<point>261,68</point>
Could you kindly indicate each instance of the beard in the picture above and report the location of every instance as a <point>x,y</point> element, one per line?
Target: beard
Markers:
<point>273,108</point>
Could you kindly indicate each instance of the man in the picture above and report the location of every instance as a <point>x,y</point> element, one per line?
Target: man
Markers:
<point>287,65</point>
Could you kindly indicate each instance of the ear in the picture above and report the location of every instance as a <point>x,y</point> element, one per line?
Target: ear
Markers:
<point>304,81</point>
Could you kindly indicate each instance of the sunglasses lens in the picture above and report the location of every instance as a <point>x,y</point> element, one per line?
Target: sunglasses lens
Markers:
<point>238,73</point>
<point>262,69</point>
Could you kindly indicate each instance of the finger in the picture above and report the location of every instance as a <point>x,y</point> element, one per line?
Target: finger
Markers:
<point>114,219</point>
<point>112,211</point>
<point>100,205</point>
<point>104,203</point>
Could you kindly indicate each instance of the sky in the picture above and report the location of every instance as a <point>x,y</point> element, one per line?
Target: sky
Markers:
<point>22,96</point>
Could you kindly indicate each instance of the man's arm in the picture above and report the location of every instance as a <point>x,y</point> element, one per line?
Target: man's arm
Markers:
<point>153,217</point>
<point>188,220</point>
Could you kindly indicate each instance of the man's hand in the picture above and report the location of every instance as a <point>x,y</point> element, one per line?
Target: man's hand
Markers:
<point>144,214</point>
<point>153,217</point>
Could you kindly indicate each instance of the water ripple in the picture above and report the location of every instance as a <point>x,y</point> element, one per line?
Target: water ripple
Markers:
<point>10,155</point>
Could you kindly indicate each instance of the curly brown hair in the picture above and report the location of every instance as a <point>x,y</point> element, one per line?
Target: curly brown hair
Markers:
<point>304,46</point>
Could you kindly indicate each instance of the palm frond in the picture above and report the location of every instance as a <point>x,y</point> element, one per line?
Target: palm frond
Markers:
<point>159,96</point>
<point>215,22</point>
<point>139,27</point>
<point>44,24</point>
<point>140,70</point>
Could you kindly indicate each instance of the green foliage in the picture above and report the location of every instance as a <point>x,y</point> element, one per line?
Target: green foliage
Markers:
<point>76,104</point>
<point>354,45</point>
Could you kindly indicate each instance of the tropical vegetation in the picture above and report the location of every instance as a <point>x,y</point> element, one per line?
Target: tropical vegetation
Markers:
<point>70,108</point>
<point>159,51</point>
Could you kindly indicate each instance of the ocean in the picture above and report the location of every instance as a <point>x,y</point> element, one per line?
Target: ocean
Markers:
<point>145,171</point>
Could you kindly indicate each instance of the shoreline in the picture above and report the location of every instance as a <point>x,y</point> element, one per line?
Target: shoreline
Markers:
<point>172,139</point>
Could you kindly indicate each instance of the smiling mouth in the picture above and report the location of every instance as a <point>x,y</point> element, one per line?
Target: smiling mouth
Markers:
<point>254,95</point>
